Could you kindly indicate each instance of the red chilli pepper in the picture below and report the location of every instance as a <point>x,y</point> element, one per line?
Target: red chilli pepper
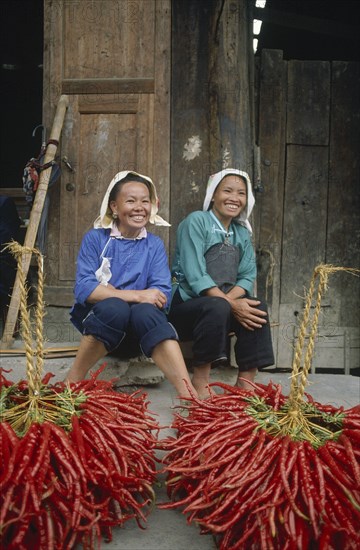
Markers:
<point>351,456</point>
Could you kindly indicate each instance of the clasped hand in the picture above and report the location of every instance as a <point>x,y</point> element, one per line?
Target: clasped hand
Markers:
<point>150,295</point>
<point>153,296</point>
<point>247,314</point>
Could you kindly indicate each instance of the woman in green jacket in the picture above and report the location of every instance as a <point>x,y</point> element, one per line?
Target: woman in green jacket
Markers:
<point>214,271</point>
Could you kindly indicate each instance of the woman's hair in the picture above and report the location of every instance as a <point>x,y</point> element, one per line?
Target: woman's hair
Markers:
<point>237,175</point>
<point>129,177</point>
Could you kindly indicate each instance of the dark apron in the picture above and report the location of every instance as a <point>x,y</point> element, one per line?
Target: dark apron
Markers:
<point>222,264</point>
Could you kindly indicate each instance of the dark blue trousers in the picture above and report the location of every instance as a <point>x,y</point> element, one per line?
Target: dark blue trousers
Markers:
<point>207,320</point>
<point>124,328</point>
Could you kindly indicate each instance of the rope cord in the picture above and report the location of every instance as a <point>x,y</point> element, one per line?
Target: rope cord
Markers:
<point>39,316</point>
<point>298,418</point>
<point>41,403</point>
<point>300,375</point>
<point>33,372</point>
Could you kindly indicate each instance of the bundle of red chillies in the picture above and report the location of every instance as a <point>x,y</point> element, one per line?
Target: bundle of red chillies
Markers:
<point>61,486</point>
<point>254,489</point>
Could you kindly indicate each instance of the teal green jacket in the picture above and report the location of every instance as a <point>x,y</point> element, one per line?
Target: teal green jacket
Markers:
<point>195,235</point>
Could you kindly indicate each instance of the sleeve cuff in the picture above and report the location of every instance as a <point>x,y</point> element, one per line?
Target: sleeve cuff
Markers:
<point>246,285</point>
<point>85,293</point>
<point>202,284</point>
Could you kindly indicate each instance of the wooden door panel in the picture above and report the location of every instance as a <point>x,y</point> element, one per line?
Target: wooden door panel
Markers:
<point>97,146</point>
<point>308,106</point>
<point>110,37</point>
<point>112,60</point>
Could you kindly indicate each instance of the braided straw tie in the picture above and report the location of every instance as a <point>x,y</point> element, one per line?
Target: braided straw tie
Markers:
<point>33,372</point>
<point>300,375</point>
<point>297,417</point>
<point>42,403</point>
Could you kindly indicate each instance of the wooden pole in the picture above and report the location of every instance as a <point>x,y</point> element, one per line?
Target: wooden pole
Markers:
<point>35,216</point>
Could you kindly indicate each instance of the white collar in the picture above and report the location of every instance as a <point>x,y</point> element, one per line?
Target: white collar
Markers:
<point>220,225</point>
<point>115,232</point>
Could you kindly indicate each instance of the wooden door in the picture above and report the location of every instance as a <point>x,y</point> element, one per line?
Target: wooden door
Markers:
<point>111,57</point>
<point>308,214</point>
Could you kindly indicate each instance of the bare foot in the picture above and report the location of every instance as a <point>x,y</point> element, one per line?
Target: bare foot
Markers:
<point>204,392</point>
<point>246,380</point>
<point>244,385</point>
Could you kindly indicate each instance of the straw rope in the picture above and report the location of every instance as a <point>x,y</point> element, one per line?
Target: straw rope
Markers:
<point>19,253</point>
<point>33,372</point>
<point>300,374</point>
<point>39,317</point>
<point>41,402</point>
<point>298,418</point>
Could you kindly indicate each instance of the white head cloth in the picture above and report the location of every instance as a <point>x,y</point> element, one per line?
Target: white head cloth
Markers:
<point>214,181</point>
<point>105,219</point>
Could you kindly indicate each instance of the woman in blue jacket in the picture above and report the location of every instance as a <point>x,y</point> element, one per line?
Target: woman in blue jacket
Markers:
<point>214,271</point>
<point>123,285</point>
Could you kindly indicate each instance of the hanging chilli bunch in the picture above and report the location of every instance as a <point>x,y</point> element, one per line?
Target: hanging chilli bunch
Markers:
<point>263,471</point>
<point>76,460</point>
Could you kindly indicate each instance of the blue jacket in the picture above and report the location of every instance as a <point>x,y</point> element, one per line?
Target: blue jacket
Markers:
<point>136,264</point>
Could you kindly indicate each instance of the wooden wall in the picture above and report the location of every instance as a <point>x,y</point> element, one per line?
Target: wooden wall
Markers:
<point>309,135</point>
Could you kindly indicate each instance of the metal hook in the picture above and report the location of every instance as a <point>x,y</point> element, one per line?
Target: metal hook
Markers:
<point>67,163</point>
<point>43,133</point>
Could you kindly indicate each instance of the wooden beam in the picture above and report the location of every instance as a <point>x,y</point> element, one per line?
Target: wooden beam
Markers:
<point>304,22</point>
<point>35,216</point>
<point>68,351</point>
<point>62,296</point>
<point>101,86</point>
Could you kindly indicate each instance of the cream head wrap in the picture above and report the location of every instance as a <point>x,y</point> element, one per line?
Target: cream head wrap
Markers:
<point>105,219</point>
<point>214,181</point>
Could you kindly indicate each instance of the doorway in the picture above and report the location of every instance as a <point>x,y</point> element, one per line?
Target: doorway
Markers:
<point>21,91</point>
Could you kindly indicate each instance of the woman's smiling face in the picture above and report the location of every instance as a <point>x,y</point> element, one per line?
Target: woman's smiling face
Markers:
<point>229,199</point>
<point>133,207</point>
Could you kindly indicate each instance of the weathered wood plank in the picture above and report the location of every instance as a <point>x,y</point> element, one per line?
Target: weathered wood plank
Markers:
<point>98,87</point>
<point>127,103</point>
<point>157,142</point>
<point>109,39</point>
<point>230,88</point>
<point>288,322</point>
<point>52,76</point>
<point>268,217</point>
<point>304,232</point>
<point>190,164</point>
<point>269,204</point>
<point>96,165</point>
<point>211,98</point>
<point>62,296</point>
<point>342,246</point>
<point>65,249</point>
<point>308,102</point>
